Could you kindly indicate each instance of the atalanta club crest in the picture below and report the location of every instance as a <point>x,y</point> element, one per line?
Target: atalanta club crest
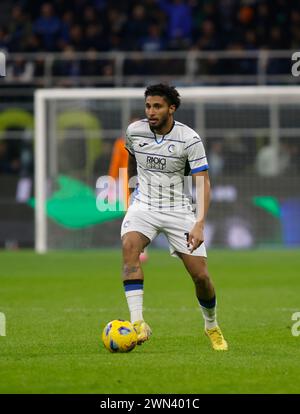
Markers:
<point>171,148</point>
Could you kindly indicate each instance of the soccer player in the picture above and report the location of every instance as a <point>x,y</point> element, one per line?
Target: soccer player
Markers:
<point>160,149</point>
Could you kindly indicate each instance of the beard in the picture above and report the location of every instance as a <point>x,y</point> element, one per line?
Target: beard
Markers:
<point>161,124</point>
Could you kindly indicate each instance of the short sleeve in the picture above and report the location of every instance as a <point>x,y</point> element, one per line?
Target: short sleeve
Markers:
<point>128,142</point>
<point>196,155</point>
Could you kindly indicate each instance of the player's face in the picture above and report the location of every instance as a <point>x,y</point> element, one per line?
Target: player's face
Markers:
<point>159,112</point>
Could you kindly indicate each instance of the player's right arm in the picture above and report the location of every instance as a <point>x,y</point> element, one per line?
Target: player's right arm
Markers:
<point>132,173</point>
<point>132,166</point>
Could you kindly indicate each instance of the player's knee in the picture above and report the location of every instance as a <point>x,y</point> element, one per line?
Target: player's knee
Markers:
<point>201,279</point>
<point>199,272</point>
<point>131,249</point>
<point>200,275</point>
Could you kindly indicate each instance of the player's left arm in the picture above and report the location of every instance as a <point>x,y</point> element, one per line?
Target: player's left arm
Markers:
<point>202,186</point>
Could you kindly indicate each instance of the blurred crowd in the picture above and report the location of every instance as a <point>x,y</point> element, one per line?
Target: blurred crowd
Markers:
<point>235,155</point>
<point>151,25</point>
<point>91,26</point>
<point>16,154</point>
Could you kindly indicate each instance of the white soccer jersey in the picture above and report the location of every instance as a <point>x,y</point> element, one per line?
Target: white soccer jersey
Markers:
<point>161,162</point>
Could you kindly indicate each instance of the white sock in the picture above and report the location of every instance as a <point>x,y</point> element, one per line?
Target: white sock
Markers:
<point>210,317</point>
<point>135,304</point>
<point>209,313</point>
<point>134,294</point>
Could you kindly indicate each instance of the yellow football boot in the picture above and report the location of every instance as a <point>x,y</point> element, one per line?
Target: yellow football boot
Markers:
<point>217,339</point>
<point>143,331</point>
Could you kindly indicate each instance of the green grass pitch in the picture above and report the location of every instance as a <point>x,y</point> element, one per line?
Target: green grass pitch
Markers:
<point>57,305</point>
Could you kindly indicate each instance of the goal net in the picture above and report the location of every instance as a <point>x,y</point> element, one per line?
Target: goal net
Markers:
<point>251,136</point>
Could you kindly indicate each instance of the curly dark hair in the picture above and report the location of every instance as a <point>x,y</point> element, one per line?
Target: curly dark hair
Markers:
<point>168,92</point>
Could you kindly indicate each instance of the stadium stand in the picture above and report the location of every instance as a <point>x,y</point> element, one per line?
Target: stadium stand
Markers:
<point>181,25</point>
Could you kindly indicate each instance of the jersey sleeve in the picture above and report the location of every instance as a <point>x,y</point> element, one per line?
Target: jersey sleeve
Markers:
<point>128,142</point>
<point>196,155</point>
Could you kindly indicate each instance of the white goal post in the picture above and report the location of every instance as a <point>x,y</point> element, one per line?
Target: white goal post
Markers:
<point>196,97</point>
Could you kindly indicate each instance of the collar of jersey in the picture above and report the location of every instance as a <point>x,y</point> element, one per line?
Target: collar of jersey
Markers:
<point>159,142</point>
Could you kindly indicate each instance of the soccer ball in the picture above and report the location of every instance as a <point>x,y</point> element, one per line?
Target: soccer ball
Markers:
<point>119,336</point>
